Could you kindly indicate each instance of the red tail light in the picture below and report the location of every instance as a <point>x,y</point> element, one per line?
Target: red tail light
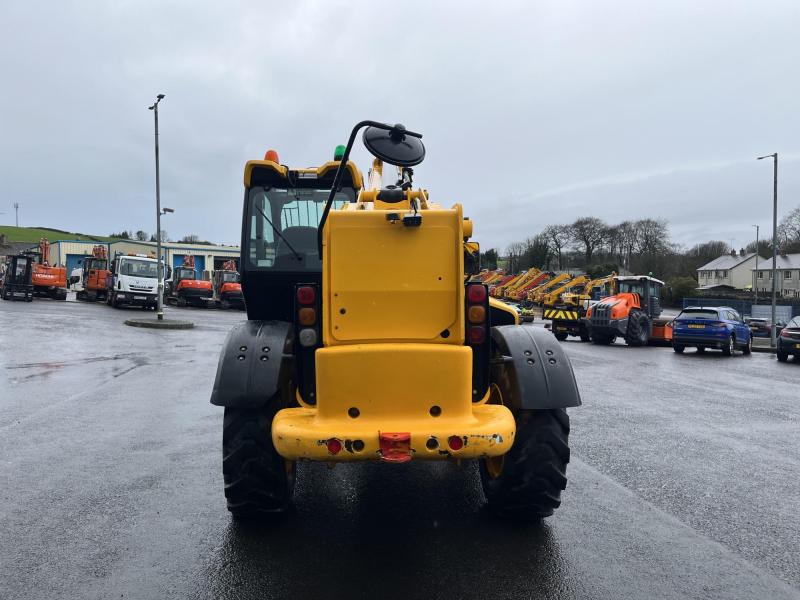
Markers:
<point>477,335</point>
<point>476,293</point>
<point>306,294</point>
<point>785,333</point>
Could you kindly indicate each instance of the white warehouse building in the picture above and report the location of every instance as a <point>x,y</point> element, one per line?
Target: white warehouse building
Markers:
<point>207,258</point>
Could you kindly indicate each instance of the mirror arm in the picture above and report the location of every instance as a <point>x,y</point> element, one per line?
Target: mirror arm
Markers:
<point>337,180</point>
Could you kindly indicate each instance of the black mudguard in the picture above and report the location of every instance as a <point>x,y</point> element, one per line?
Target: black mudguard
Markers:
<point>539,370</point>
<point>255,360</point>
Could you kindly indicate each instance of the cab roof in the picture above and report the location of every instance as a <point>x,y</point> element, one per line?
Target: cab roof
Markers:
<point>267,172</point>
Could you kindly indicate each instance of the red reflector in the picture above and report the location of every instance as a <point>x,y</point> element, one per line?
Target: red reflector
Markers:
<point>455,442</point>
<point>477,335</point>
<point>395,447</point>
<point>476,293</point>
<point>306,294</point>
<point>334,446</point>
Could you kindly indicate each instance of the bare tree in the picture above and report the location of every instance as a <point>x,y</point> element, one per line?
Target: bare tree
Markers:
<point>626,233</point>
<point>537,253</point>
<point>191,238</point>
<point>789,231</point>
<point>588,233</point>
<point>558,237</point>
<point>515,251</point>
<point>652,237</point>
<point>141,236</point>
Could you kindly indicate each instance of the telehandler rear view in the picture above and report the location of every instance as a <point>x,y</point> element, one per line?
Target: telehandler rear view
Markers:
<point>365,341</point>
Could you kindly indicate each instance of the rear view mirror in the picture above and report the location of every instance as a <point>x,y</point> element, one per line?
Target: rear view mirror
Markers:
<point>394,146</point>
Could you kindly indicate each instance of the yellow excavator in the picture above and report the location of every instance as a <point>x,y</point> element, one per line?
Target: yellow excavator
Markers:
<point>366,341</point>
<point>529,275</point>
<point>499,290</point>
<point>538,293</point>
<point>553,297</point>
<point>592,290</point>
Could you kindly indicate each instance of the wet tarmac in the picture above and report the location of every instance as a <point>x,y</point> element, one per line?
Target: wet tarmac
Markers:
<point>684,482</point>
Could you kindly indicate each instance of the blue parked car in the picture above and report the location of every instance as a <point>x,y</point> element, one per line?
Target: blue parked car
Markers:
<point>711,327</point>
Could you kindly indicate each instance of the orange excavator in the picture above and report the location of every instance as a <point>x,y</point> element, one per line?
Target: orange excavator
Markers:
<point>48,281</point>
<point>185,288</point>
<point>227,287</point>
<point>95,275</point>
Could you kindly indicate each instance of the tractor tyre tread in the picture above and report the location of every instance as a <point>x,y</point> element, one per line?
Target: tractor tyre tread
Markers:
<point>637,333</point>
<point>534,470</point>
<point>255,475</point>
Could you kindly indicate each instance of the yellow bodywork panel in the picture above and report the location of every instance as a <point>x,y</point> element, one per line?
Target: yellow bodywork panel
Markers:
<point>383,281</point>
<point>420,389</point>
<point>500,305</point>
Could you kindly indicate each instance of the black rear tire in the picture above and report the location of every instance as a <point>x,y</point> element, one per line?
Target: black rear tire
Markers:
<point>748,347</point>
<point>678,348</point>
<point>258,481</point>
<point>534,471</point>
<point>638,332</point>
<point>727,349</point>
<point>560,336</point>
<point>782,356</point>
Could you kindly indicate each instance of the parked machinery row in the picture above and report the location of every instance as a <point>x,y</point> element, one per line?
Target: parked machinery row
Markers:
<point>124,280</point>
<point>598,310</point>
<point>30,274</point>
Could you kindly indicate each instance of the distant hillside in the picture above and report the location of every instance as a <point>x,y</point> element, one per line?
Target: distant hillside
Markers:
<point>34,234</point>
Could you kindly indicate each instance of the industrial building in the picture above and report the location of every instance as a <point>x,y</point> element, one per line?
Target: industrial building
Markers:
<point>207,258</point>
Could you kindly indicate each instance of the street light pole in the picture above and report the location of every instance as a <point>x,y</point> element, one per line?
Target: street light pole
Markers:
<point>774,157</point>
<point>755,277</point>
<point>160,267</point>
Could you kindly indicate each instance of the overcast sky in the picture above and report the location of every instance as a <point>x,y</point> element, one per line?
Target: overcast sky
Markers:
<point>533,112</point>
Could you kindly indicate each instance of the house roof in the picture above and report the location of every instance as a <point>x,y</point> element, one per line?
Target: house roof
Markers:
<point>726,261</point>
<point>784,261</point>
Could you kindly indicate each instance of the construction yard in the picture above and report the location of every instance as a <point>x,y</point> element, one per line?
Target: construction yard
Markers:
<point>682,482</point>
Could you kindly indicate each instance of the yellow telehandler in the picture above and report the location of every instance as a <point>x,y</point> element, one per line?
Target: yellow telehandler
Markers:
<point>366,341</point>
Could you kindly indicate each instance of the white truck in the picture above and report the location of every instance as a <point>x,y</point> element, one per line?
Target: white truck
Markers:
<point>133,281</point>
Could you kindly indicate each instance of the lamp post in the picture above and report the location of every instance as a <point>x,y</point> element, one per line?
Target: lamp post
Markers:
<point>774,157</point>
<point>160,267</point>
<point>755,277</point>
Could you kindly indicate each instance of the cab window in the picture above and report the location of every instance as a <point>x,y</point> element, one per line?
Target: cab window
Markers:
<point>283,226</point>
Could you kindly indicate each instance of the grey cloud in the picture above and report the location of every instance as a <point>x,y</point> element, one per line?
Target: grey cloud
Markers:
<point>515,100</point>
